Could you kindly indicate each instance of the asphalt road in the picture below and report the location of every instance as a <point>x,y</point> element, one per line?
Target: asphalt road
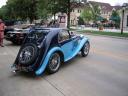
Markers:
<point>103,73</point>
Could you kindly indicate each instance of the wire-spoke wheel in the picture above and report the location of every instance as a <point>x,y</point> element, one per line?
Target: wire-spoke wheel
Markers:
<point>54,63</point>
<point>85,49</point>
<point>28,54</point>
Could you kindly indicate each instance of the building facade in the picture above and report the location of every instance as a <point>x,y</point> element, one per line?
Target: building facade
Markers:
<point>105,10</point>
<point>77,8</point>
<point>74,15</point>
<point>125,21</point>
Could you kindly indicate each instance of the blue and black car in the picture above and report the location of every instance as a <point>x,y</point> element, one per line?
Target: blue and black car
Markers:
<point>47,48</point>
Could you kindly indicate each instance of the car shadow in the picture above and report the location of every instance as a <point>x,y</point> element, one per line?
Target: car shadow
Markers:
<point>11,44</point>
<point>45,74</point>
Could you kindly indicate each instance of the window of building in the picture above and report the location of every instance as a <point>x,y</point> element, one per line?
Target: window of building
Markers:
<point>79,11</point>
<point>72,22</point>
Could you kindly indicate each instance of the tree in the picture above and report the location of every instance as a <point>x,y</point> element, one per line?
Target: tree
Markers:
<point>96,11</point>
<point>42,8</point>
<point>4,13</point>
<point>33,9</point>
<point>87,14</point>
<point>91,12</point>
<point>22,9</point>
<point>54,6</point>
<point>115,17</point>
<point>80,21</point>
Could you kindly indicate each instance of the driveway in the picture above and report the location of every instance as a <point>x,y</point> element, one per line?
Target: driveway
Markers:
<point>104,72</point>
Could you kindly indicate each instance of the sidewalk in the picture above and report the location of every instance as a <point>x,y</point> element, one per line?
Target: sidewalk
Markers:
<point>95,29</point>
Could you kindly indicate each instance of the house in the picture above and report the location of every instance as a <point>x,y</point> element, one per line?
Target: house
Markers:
<point>77,8</point>
<point>117,7</point>
<point>125,21</point>
<point>106,9</point>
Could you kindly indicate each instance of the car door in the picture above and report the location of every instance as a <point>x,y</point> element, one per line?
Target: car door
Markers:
<point>66,43</point>
<point>75,41</point>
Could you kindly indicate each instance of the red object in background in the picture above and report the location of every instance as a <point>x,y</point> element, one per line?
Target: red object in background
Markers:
<point>2,27</point>
<point>2,30</point>
<point>62,19</point>
<point>1,35</point>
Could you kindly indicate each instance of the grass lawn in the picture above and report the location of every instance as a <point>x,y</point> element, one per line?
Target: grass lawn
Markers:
<point>105,33</point>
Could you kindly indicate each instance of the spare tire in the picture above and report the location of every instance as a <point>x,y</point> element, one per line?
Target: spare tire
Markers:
<point>28,54</point>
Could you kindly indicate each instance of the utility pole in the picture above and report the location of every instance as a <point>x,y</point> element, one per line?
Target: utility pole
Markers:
<point>122,25</point>
<point>125,6</point>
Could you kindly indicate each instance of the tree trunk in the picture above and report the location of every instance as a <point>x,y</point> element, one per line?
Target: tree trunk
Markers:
<point>68,14</point>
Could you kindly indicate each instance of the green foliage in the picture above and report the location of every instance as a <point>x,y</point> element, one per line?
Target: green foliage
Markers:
<point>80,21</point>
<point>91,12</point>
<point>115,17</point>
<point>4,13</point>
<point>87,14</point>
<point>22,9</point>
<point>33,9</point>
<point>42,9</point>
<point>96,11</point>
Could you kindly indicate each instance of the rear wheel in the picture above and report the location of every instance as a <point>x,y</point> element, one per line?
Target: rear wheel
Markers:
<point>54,63</point>
<point>85,49</point>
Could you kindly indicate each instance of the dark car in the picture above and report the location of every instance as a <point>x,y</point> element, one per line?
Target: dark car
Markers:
<point>48,48</point>
<point>8,29</point>
<point>16,36</point>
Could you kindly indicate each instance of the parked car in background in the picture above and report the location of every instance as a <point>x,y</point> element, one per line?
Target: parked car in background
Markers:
<point>9,26</point>
<point>7,29</point>
<point>47,48</point>
<point>16,36</point>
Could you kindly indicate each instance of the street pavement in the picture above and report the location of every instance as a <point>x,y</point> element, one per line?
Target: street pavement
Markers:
<point>104,72</point>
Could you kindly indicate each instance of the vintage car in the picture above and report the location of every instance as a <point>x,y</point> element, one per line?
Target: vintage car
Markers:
<point>47,48</point>
<point>16,36</point>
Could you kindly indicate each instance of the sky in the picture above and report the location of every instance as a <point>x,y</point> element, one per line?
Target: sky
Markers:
<point>112,2</point>
<point>2,2</point>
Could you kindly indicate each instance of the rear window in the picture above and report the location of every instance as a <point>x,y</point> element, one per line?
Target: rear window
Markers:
<point>38,34</point>
<point>63,36</point>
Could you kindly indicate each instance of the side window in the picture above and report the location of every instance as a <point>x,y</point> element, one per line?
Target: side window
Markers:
<point>64,35</point>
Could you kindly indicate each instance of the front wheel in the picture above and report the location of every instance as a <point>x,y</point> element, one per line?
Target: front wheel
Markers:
<point>85,49</point>
<point>54,63</point>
